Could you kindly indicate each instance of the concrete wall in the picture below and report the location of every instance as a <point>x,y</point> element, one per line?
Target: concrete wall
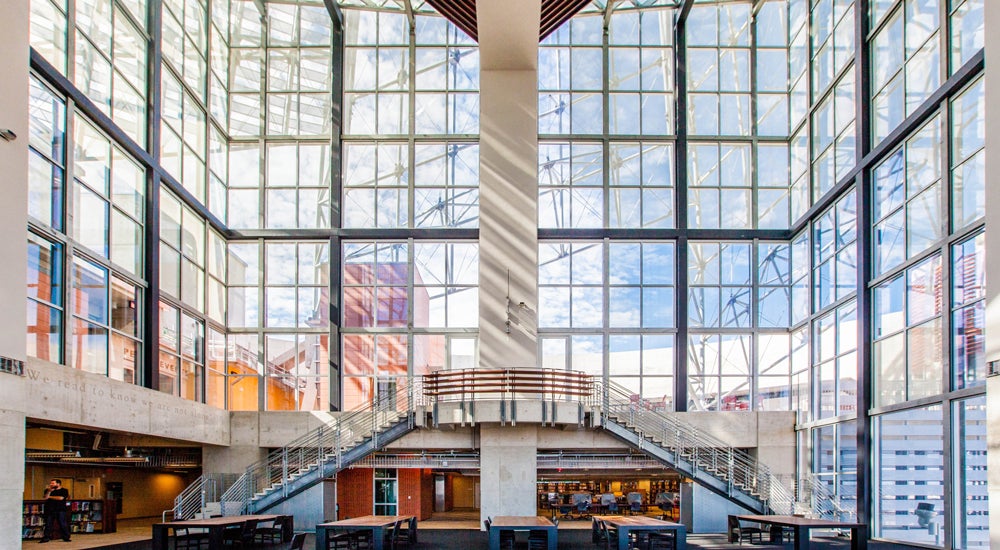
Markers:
<point>703,511</point>
<point>68,396</point>
<point>13,221</point>
<point>14,175</point>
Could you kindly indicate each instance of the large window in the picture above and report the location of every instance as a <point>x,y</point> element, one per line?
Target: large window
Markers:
<point>909,476</point>
<point>631,340</point>
<point>906,60</point>
<point>430,180</point>
<point>407,308</point>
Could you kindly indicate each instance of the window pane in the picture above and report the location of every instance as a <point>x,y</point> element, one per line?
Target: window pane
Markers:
<point>910,475</point>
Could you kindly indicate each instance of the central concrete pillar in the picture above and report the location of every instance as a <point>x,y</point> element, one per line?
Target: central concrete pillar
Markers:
<point>508,237</point>
<point>508,462</point>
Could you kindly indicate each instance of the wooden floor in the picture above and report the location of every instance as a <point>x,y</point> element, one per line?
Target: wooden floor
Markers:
<point>129,531</point>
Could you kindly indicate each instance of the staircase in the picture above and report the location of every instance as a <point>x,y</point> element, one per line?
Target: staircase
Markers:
<point>306,461</point>
<point>725,470</point>
<point>321,453</point>
<point>201,498</point>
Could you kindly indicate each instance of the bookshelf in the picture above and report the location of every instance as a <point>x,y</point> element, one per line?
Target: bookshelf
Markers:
<point>85,516</point>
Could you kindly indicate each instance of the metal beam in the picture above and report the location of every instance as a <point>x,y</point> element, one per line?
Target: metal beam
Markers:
<point>680,209</point>
<point>683,12</point>
<point>952,87</point>
<point>84,105</point>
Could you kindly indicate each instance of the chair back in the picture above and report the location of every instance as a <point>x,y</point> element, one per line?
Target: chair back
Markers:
<point>298,541</point>
<point>635,506</point>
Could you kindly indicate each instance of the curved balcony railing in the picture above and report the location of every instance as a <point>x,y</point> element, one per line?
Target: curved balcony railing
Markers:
<point>514,383</point>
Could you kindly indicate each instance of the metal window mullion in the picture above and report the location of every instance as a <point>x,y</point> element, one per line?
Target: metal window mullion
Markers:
<point>606,304</point>
<point>69,181</point>
<point>411,121</point>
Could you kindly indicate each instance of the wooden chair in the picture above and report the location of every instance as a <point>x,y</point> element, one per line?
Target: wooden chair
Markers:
<point>538,540</point>
<point>662,540</point>
<point>339,540</point>
<point>506,536</point>
<point>239,536</point>
<point>190,539</point>
<point>604,535</point>
<point>361,539</point>
<point>738,533</point>
<point>269,534</point>
<point>392,536</point>
<point>408,531</point>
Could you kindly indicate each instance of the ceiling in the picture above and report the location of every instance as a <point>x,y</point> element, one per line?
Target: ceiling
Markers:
<point>463,14</point>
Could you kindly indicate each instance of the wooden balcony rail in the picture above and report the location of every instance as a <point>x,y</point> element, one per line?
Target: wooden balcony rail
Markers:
<point>471,384</point>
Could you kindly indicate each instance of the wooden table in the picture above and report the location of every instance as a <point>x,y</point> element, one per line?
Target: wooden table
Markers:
<point>522,523</point>
<point>642,523</point>
<point>802,526</point>
<point>215,527</point>
<point>376,524</point>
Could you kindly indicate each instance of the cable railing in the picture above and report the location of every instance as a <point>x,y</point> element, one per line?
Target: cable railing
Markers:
<point>816,496</point>
<point>691,447</point>
<point>199,495</point>
<point>323,448</point>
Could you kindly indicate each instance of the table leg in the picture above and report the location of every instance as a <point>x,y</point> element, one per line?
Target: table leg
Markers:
<point>160,535</point>
<point>378,537</point>
<point>680,534</point>
<point>552,538</point>
<point>494,538</point>
<point>215,537</point>
<point>622,537</point>
<point>801,538</point>
<point>858,539</point>
<point>321,538</point>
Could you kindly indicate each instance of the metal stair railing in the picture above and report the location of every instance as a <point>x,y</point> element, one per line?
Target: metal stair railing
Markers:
<point>816,497</point>
<point>326,445</point>
<point>193,499</point>
<point>691,447</point>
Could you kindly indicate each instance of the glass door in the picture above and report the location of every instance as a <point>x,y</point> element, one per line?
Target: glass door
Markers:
<point>386,491</point>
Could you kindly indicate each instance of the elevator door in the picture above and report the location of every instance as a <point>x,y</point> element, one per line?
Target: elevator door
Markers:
<point>439,494</point>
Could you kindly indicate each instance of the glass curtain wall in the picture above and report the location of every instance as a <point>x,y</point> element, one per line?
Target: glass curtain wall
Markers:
<point>410,162</point>
<point>727,257</point>
<point>86,210</point>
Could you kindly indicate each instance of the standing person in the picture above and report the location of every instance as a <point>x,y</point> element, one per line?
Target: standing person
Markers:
<point>56,500</point>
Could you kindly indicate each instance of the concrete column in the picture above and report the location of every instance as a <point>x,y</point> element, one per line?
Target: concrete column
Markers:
<point>508,237</point>
<point>13,250</point>
<point>508,463</point>
<point>508,186</point>
<point>243,450</point>
<point>992,14</point>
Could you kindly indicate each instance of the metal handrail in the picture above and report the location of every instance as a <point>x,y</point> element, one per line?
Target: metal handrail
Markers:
<point>320,447</point>
<point>193,499</point>
<point>743,472</point>
<point>814,492</point>
<point>327,445</point>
